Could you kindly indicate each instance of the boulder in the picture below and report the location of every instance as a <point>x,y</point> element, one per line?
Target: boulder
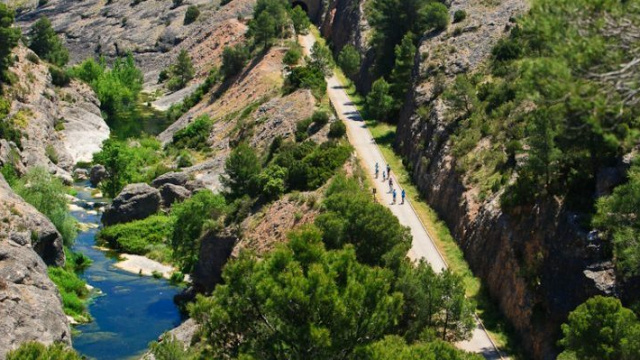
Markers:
<point>97,174</point>
<point>175,178</point>
<point>171,193</point>
<point>195,185</point>
<point>135,202</point>
<point>215,250</point>
<point>81,174</point>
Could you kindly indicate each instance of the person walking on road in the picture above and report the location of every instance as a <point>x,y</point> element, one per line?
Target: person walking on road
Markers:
<point>388,170</point>
<point>376,170</point>
<point>394,196</point>
<point>390,185</point>
<point>384,176</point>
<point>373,190</point>
<point>402,195</point>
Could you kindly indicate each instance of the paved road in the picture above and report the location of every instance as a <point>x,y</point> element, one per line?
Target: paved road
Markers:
<point>369,154</point>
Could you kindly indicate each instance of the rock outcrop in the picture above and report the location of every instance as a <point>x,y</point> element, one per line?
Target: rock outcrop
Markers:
<point>30,305</point>
<point>174,178</point>
<point>59,125</point>
<point>135,202</point>
<point>97,174</point>
<point>173,193</point>
<point>536,262</point>
<point>215,250</point>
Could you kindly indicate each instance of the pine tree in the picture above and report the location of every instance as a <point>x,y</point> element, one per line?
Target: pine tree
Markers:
<point>9,37</point>
<point>181,72</point>
<point>46,43</point>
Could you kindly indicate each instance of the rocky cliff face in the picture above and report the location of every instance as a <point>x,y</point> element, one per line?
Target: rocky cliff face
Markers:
<point>60,125</point>
<point>30,305</point>
<point>536,262</point>
<point>154,31</point>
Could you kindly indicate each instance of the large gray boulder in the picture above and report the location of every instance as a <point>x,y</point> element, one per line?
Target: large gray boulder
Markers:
<point>173,193</point>
<point>175,178</point>
<point>135,202</point>
<point>30,305</point>
<point>97,174</point>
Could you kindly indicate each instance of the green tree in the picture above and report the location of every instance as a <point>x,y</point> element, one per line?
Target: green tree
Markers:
<point>9,37</point>
<point>617,216</point>
<point>181,72</point>
<point>191,14</point>
<point>233,60</point>
<point>37,351</point>
<point>396,348</point>
<point>170,348</point>
<point>349,60</point>
<point>241,170</point>
<point>270,20</point>
<point>299,302</point>
<point>45,42</point>
<point>401,75</point>
<point>117,160</point>
<point>190,217</point>
<point>49,196</point>
<point>436,16</point>
<point>601,329</point>
<point>322,58</point>
<point>379,103</point>
<point>300,20</point>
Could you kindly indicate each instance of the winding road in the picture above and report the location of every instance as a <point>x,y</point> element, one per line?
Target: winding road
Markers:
<point>369,154</point>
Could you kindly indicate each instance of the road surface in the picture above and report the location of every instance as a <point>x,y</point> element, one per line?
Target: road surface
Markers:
<point>368,153</point>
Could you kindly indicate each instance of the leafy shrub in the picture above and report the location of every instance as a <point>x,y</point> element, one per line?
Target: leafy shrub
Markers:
<point>177,110</point>
<point>320,118</point>
<point>459,15</point>
<point>136,236</point>
<point>506,49</point>
<point>292,56</point>
<point>379,103</point>
<point>191,15</point>
<point>59,77</point>
<point>34,350</point>
<point>337,129</point>
<point>45,42</point>
<point>73,291</point>
<point>195,135</point>
<point>170,348</point>
<point>33,58</point>
<point>302,129</point>
<point>177,277</point>
<point>240,171</point>
<point>306,77</point>
<point>51,153</point>
<point>184,159</point>
<point>48,195</point>
<point>8,129</point>
<point>349,60</point>
<point>233,60</point>
<point>300,20</point>
<point>181,72</point>
<point>190,217</point>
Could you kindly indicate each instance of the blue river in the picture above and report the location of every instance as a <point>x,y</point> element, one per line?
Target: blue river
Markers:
<point>130,310</point>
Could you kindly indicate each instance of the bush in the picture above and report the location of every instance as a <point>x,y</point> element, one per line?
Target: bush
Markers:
<point>379,103</point>
<point>136,237</point>
<point>292,56</point>
<point>33,58</point>
<point>233,60</point>
<point>177,277</point>
<point>190,218</point>
<point>459,15</point>
<point>9,37</point>
<point>302,129</point>
<point>51,153</point>
<point>506,49</point>
<point>177,3</point>
<point>320,118</point>
<point>59,77</point>
<point>337,129</point>
<point>169,348</point>
<point>180,73</point>
<point>349,60</point>
<point>45,42</point>
<point>195,135</point>
<point>191,15</point>
<point>34,350</point>
<point>73,291</point>
<point>300,20</point>
<point>436,16</point>
<point>306,77</point>
<point>240,171</point>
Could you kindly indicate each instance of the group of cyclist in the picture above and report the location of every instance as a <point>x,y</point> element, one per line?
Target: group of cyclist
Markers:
<point>386,176</point>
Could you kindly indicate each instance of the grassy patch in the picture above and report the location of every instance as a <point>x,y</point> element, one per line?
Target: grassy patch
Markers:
<point>73,291</point>
<point>143,237</point>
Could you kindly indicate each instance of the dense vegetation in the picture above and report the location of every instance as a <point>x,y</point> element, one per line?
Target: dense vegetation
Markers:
<point>37,351</point>
<point>601,329</point>
<point>149,237</point>
<point>9,37</point>
<point>179,74</point>
<point>44,41</point>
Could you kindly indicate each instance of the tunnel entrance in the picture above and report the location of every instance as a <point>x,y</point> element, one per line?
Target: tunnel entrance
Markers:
<point>302,5</point>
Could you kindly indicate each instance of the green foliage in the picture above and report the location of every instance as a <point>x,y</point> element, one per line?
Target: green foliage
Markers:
<point>137,237</point>
<point>302,129</point>
<point>337,129</point>
<point>548,111</point>
<point>117,89</point>
<point>300,20</point>
<point>9,130</point>
<point>617,216</point>
<point>459,16</point>
<point>396,348</point>
<point>170,348</point>
<point>177,277</point>
<point>189,219</point>
<point>270,21</point>
<point>321,58</point>
<point>299,302</point>
<point>10,174</point>
<point>306,77</point>
<point>9,37</point>
<point>181,72</point>
<point>195,135</point>
<point>241,169</point>
<point>177,110</point>
<point>349,60</point>
<point>233,60</point>
<point>59,77</point>
<point>352,218</point>
<point>73,291</point>
<point>599,329</point>
<point>401,73</point>
<point>320,118</point>
<point>45,42</point>
<point>436,15</point>
<point>48,195</point>
<point>191,14</point>
<point>379,103</point>
<point>37,351</point>
<point>292,56</point>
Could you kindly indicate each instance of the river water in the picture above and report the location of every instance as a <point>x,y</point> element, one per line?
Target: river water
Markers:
<point>130,311</point>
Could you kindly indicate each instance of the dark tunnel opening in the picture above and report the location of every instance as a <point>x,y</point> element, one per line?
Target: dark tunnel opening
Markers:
<point>301,4</point>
